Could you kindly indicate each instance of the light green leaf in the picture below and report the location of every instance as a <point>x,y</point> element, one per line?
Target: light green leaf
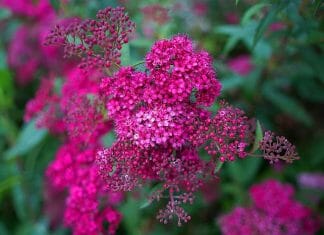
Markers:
<point>29,137</point>
<point>4,13</point>
<point>125,55</point>
<point>108,139</point>
<point>258,136</point>
<point>252,11</point>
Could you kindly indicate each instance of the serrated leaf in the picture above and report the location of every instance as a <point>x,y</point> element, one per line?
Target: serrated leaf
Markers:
<point>29,137</point>
<point>258,136</point>
<point>252,11</point>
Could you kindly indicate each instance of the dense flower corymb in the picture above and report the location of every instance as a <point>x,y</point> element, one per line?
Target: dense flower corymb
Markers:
<point>161,123</point>
<point>274,211</point>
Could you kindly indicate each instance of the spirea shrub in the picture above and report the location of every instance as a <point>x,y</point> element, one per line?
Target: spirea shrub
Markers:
<point>161,116</point>
<point>273,211</point>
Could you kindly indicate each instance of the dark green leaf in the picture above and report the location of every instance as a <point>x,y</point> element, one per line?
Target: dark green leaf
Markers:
<point>55,4</point>
<point>19,201</point>
<point>287,104</point>
<point>8,183</point>
<point>243,171</point>
<point>266,21</point>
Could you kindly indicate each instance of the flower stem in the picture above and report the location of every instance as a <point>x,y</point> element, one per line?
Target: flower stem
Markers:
<point>138,63</point>
<point>218,167</point>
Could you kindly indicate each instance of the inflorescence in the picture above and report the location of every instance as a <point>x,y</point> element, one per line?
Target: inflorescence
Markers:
<point>273,211</point>
<point>161,118</point>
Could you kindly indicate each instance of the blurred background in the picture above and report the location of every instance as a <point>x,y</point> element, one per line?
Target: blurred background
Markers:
<point>267,54</point>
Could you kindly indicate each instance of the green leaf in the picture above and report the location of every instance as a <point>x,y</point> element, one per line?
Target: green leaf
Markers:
<point>4,13</point>
<point>131,216</point>
<point>265,22</point>
<point>150,191</point>
<point>108,139</point>
<point>3,229</point>
<point>237,1</point>
<point>8,183</point>
<point>252,11</point>
<point>29,137</point>
<point>258,136</point>
<point>243,171</point>
<point>231,83</point>
<point>19,201</point>
<point>55,4</point>
<point>287,104</point>
<point>230,44</point>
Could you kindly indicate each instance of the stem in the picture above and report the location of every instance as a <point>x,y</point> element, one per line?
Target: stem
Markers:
<point>218,167</point>
<point>255,155</point>
<point>117,65</point>
<point>138,63</point>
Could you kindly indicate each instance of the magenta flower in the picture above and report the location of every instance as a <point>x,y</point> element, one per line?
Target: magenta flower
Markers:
<point>161,123</point>
<point>274,211</point>
<point>39,9</point>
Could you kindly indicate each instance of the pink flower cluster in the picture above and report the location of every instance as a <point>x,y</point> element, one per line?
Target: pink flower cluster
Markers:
<point>274,211</point>
<point>71,107</point>
<point>98,42</point>
<point>76,112</point>
<point>161,122</point>
<point>27,53</point>
<point>28,8</point>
